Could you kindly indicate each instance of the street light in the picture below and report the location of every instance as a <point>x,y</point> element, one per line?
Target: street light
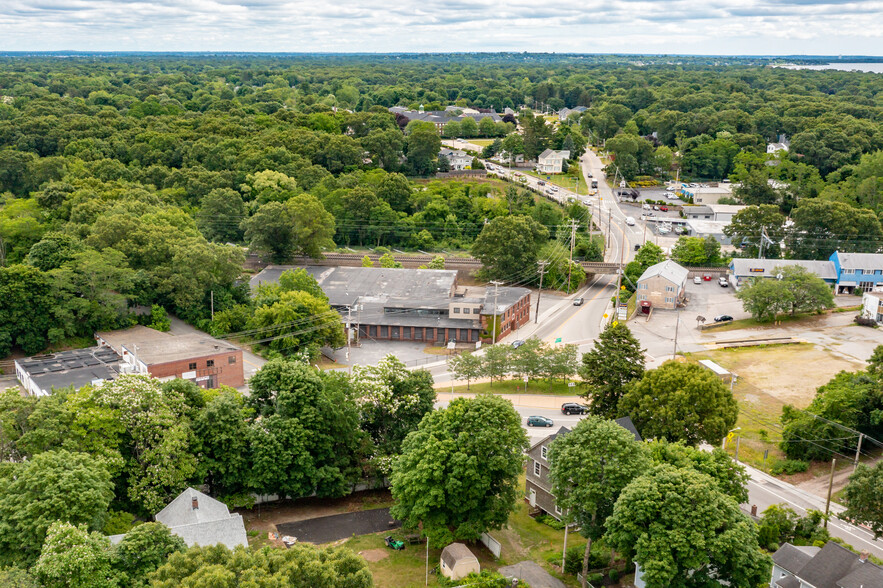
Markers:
<point>724,444</point>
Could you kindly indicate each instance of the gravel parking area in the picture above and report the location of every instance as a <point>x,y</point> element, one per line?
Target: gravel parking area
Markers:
<point>336,527</point>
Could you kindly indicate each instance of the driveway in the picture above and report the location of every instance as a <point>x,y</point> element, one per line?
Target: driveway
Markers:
<point>336,527</point>
<point>533,574</point>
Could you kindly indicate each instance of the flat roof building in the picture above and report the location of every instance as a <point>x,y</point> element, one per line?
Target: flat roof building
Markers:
<point>197,357</point>
<point>41,374</point>
<point>742,269</point>
<point>414,304</point>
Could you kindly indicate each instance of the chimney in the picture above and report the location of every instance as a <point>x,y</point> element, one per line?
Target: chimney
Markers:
<point>863,556</point>
<point>195,503</point>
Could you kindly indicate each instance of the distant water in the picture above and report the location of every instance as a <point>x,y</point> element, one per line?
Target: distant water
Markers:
<point>866,67</point>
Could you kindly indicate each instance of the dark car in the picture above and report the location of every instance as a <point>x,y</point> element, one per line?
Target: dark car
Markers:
<point>578,301</point>
<point>574,408</point>
<point>517,343</point>
<point>722,318</point>
<point>539,421</point>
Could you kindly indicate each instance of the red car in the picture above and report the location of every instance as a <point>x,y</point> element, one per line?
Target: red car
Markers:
<point>663,208</point>
<point>706,277</point>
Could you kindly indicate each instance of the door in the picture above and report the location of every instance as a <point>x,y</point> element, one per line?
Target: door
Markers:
<point>533,498</point>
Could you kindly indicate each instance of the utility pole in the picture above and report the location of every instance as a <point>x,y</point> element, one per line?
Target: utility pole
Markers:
<point>762,241</point>
<point>213,303</point>
<point>830,486</point>
<point>564,551</point>
<point>858,451</point>
<point>573,225</point>
<point>542,265</point>
<point>349,332</point>
<point>619,276</point>
<point>494,335</point>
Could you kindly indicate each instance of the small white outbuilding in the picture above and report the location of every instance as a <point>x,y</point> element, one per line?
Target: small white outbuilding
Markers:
<point>458,562</point>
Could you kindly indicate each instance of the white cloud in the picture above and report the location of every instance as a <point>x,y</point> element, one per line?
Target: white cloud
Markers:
<point>633,26</point>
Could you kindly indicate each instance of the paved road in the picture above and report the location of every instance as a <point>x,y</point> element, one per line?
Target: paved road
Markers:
<point>765,490</point>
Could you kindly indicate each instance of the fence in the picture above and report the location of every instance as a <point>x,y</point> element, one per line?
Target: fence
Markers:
<point>492,544</point>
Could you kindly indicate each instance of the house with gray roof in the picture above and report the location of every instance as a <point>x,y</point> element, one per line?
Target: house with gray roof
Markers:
<point>664,285</point>
<point>551,161</point>
<point>831,566</point>
<point>442,117</point>
<point>537,486</point>
<point>199,519</point>
<point>459,160</point>
<point>565,112</point>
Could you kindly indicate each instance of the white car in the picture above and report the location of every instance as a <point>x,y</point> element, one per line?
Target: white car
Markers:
<point>647,207</point>
<point>630,221</point>
<point>664,230</point>
<point>697,280</point>
<point>671,188</point>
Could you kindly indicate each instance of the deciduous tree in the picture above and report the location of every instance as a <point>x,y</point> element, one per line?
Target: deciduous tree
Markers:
<point>681,402</point>
<point>458,472</point>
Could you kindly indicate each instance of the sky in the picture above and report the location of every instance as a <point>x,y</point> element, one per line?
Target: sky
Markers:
<point>706,27</point>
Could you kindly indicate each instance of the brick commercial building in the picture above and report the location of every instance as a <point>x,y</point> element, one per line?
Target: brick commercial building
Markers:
<point>399,304</point>
<point>197,357</point>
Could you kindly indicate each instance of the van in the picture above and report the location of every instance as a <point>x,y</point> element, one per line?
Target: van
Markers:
<point>630,221</point>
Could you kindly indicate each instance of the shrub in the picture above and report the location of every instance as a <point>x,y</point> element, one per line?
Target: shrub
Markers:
<point>865,322</point>
<point>550,521</point>
<point>594,579</point>
<point>118,522</point>
<point>614,576</point>
<point>789,467</point>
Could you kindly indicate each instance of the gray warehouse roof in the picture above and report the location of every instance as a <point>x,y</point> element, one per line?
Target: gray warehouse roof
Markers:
<point>860,260</point>
<point>750,267</point>
<point>344,285</point>
<point>155,347</point>
<point>76,368</point>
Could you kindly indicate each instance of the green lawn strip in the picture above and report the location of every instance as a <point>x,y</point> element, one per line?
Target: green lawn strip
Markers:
<point>481,142</point>
<point>552,388</point>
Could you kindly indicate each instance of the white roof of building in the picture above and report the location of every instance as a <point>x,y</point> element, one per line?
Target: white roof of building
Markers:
<point>667,269</point>
<point>860,260</point>
<point>726,208</point>
<point>717,369</point>
<point>551,153</point>
<point>764,267</point>
<point>703,226</point>
<point>455,553</point>
<point>208,522</point>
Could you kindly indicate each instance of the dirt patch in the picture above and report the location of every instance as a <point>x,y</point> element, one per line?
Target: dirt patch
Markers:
<point>789,373</point>
<point>374,555</point>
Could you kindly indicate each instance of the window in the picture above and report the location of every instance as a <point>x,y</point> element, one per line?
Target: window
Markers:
<point>878,272</point>
<point>210,363</point>
<point>536,468</point>
<point>231,360</point>
<point>543,451</point>
<point>191,366</point>
<point>848,271</point>
<point>456,310</point>
<point>466,311</point>
<point>557,510</point>
<point>384,331</point>
<point>667,299</point>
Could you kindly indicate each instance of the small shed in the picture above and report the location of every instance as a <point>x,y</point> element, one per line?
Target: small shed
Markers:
<point>458,562</point>
<point>718,370</point>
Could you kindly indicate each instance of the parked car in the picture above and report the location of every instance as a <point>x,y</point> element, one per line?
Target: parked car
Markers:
<point>673,197</point>
<point>553,188</point>
<point>655,207</point>
<point>670,188</point>
<point>722,318</point>
<point>574,408</point>
<point>664,230</point>
<point>722,282</point>
<point>539,421</point>
<point>578,301</point>
<point>706,277</point>
<point>647,207</point>
<point>517,343</point>
<point>697,280</point>
<point>541,183</point>
<point>589,175</point>
<point>663,208</point>
<point>587,202</point>
<point>630,221</point>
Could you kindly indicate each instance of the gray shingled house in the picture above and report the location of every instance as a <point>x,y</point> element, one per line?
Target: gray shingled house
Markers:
<point>832,566</point>
<point>537,486</point>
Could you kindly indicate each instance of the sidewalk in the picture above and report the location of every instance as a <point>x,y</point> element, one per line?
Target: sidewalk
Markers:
<point>547,401</point>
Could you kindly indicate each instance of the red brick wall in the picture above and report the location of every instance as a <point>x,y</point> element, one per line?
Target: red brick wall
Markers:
<point>515,316</point>
<point>224,372</point>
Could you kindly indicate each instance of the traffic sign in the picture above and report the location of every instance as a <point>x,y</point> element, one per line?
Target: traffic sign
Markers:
<point>558,340</point>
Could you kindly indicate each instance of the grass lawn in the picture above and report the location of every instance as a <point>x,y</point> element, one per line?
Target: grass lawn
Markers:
<point>481,142</point>
<point>770,376</point>
<point>566,181</point>
<point>554,388</point>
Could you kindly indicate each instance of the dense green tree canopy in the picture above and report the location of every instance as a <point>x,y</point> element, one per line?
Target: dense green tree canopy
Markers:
<point>458,472</point>
<point>681,402</point>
